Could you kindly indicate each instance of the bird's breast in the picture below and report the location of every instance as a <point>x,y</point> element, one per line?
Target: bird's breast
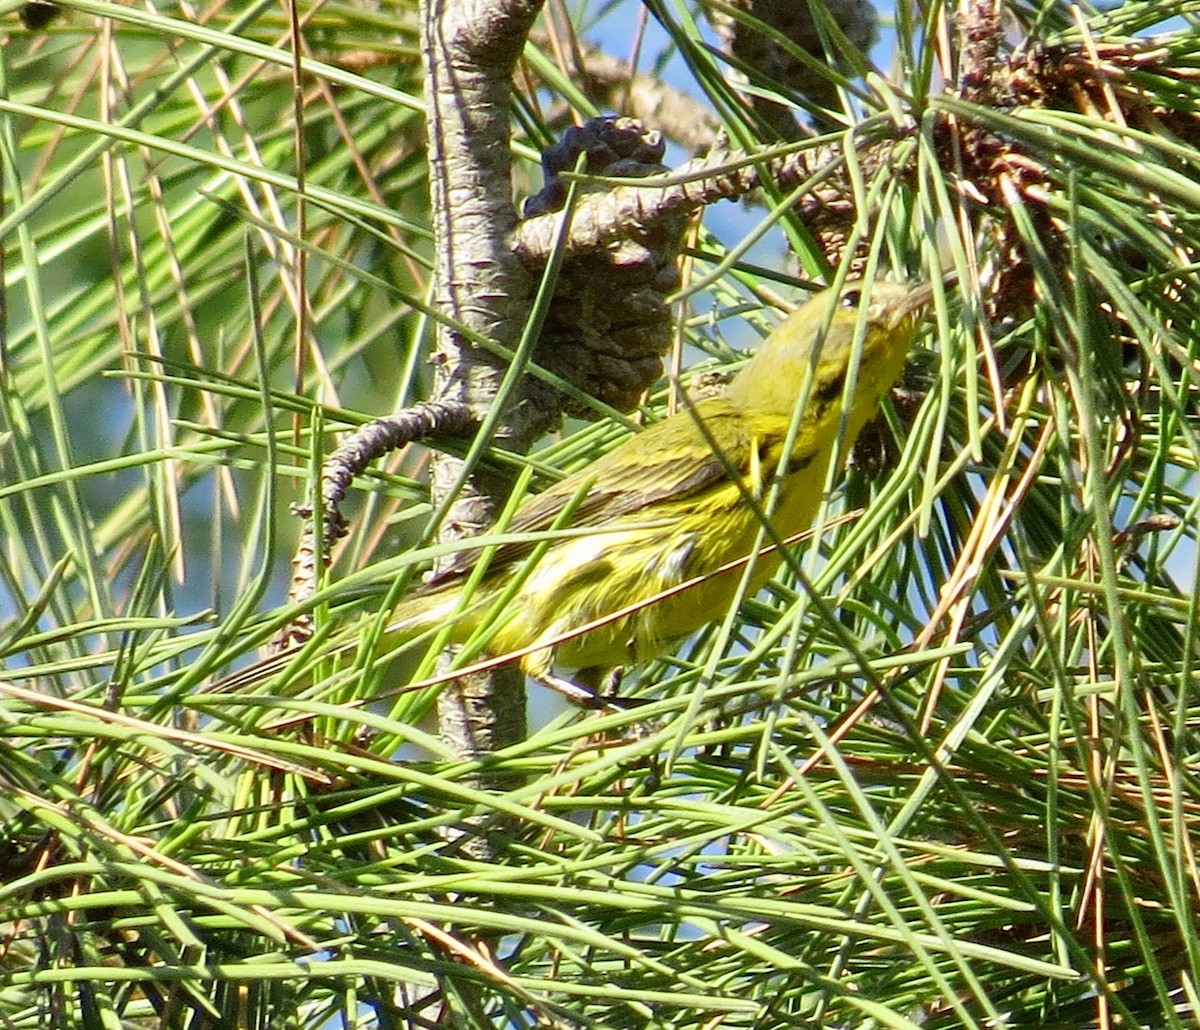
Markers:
<point>658,579</point>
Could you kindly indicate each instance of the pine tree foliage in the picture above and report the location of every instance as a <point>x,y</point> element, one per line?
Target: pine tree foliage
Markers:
<point>942,773</point>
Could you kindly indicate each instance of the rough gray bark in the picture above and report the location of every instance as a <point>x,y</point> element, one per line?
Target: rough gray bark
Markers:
<point>469,49</point>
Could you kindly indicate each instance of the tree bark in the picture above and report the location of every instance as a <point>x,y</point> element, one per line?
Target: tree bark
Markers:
<point>469,51</point>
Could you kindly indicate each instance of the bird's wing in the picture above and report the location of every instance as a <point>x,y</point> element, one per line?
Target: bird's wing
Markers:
<point>677,462</point>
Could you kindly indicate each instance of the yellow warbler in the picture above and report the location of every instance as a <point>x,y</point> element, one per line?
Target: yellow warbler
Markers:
<point>662,509</point>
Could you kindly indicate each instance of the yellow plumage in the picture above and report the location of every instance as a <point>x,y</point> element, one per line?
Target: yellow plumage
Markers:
<point>664,507</point>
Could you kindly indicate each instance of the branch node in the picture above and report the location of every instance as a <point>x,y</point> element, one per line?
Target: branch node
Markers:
<point>356,452</point>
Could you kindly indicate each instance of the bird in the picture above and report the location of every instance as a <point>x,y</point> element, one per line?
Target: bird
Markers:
<point>647,544</point>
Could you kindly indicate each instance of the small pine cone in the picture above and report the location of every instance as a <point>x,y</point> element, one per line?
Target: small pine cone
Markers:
<point>609,324</point>
<point>750,49</point>
<point>614,147</point>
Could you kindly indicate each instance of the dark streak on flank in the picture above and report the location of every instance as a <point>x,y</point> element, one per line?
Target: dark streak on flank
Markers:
<point>830,390</point>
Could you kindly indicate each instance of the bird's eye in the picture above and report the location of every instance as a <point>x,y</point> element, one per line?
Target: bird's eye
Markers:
<point>851,298</point>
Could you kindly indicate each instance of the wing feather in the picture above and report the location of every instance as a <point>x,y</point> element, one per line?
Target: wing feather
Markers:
<point>683,465</point>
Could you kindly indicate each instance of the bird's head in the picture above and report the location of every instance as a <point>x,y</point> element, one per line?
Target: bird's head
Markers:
<point>819,339</point>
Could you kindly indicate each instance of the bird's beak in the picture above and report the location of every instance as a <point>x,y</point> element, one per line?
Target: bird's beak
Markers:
<point>921,296</point>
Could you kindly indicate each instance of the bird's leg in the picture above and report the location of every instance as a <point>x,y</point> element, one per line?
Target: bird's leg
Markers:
<point>601,680</point>
<point>539,666</point>
<point>593,688</point>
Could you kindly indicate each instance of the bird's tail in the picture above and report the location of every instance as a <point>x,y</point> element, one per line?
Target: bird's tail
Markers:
<point>427,610</point>
<point>416,615</point>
